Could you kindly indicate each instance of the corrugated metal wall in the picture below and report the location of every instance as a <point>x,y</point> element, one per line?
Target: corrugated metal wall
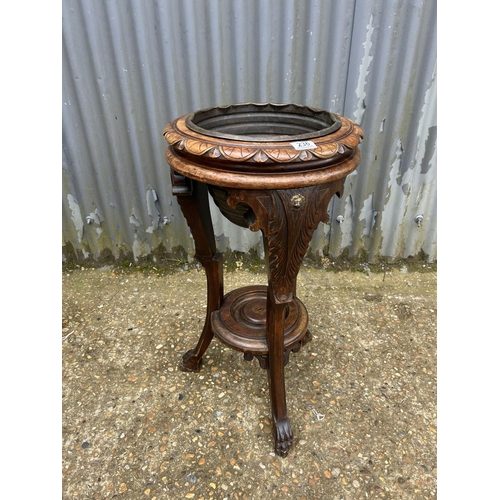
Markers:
<point>131,66</point>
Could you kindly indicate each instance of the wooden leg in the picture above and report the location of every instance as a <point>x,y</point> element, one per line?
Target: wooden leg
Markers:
<point>287,219</point>
<point>193,200</point>
<point>192,359</point>
<point>276,375</point>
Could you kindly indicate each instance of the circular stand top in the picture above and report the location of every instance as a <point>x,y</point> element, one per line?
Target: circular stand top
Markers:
<point>263,146</point>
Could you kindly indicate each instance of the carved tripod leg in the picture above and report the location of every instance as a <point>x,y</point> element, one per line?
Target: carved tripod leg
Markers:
<point>193,200</point>
<point>276,375</point>
<point>192,359</point>
<point>287,219</point>
<point>291,217</point>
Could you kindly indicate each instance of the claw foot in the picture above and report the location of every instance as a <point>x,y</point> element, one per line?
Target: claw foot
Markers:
<point>190,362</point>
<point>284,437</point>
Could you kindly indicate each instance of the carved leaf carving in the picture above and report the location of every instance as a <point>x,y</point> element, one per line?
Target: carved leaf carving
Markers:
<point>236,153</point>
<point>260,156</point>
<point>289,229</point>
<point>325,150</point>
<point>282,155</point>
<point>214,153</point>
<point>172,137</point>
<point>198,148</point>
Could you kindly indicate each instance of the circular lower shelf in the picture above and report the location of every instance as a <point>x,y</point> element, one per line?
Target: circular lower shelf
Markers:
<point>240,323</point>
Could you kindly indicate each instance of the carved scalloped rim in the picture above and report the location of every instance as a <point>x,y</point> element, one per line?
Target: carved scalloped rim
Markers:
<point>283,154</point>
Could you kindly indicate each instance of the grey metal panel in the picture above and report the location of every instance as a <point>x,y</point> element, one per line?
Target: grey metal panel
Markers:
<point>131,66</point>
<point>391,92</point>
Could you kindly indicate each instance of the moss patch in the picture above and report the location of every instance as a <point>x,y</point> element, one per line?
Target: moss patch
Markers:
<point>160,261</point>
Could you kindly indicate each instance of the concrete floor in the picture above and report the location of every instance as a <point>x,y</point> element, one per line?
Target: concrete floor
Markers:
<point>361,396</point>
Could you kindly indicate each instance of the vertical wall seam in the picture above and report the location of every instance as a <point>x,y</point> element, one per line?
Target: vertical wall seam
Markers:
<point>353,23</point>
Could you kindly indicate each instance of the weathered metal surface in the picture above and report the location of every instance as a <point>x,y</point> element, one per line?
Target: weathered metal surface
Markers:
<point>130,67</point>
<point>391,93</point>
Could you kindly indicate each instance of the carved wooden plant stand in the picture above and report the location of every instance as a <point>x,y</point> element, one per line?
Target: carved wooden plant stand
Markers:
<point>272,168</point>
